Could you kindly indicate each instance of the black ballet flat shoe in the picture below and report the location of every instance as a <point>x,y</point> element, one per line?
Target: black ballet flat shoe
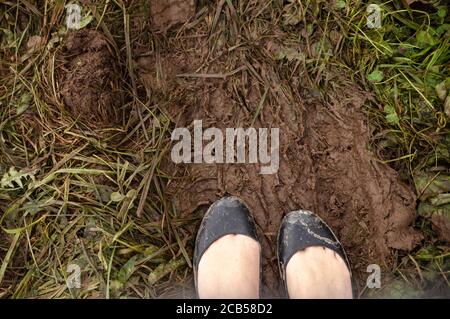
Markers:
<point>224,217</point>
<point>302,229</point>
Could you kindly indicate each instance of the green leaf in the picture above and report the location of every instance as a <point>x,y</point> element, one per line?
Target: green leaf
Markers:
<point>447,83</point>
<point>425,253</point>
<point>132,193</point>
<point>116,285</point>
<point>447,106</point>
<point>117,197</point>
<point>425,39</point>
<point>443,28</point>
<point>127,270</point>
<point>164,269</point>
<point>341,4</point>
<point>440,199</point>
<point>427,210</point>
<point>85,21</point>
<point>429,184</point>
<point>280,56</point>
<point>441,90</point>
<point>391,114</point>
<point>24,102</point>
<point>13,176</point>
<point>8,39</point>
<point>392,118</point>
<point>375,76</point>
<point>442,12</point>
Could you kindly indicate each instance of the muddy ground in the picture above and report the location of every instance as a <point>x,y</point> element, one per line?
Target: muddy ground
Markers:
<point>325,165</point>
<point>89,78</point>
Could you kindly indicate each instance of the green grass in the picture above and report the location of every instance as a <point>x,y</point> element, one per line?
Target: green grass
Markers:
<point>76,195</point>
<point>405,65</point>
<point>73,193</point>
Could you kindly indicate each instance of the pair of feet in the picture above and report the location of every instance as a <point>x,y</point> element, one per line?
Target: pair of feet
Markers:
<point>227,258</point>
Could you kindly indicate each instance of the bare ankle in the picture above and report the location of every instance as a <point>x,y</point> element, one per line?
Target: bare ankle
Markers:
<point>318,272</point>
<point>230,268</point>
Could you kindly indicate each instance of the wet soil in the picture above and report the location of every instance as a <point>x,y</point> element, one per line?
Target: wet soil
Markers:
<point>89,79</point>
<point>166,14</point>
<point>324,164</point>
<point>441,223</point>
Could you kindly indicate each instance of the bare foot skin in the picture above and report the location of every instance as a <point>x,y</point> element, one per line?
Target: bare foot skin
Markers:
<point>230,268</point>
<point>318,272</point>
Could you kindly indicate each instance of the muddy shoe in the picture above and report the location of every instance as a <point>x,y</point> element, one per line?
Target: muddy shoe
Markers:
<point>302,229</point>
<point>227,216</point>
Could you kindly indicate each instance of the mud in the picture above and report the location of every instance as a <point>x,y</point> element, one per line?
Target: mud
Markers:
<point>324,167</point>
<point>88,78</point>
<point>166,14</point>
<point>441,223</point>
